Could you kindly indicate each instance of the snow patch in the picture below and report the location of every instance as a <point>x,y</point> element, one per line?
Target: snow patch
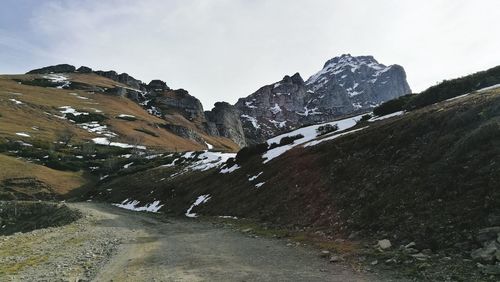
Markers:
<point>387,116</point>
<point>23,134</point>
<point>134,206</point>
<point>201,200</point>
<point>106,142</point>
<point>229,169</point>
<point>252,120</point>
<point>17,102</point>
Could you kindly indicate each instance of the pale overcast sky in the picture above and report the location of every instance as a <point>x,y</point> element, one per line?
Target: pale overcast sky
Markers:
<point>220,50</point>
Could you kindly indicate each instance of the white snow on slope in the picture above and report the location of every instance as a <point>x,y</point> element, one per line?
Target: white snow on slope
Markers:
<point>70,110</point>
<point>201,200</point>
<point>58,78</point>
<point>209,146</point>
<point>229,169</point>
<point>251,119</point>
<point>133,205</point>
<point>489,88</point>
<point>258,185</point>
<point>399,113</point>
<point>316,142</point>
<point>125,116</point>
<point>105,141</point>
<point>252,178</point>
<point>23,134</point>
<point>16,101</point>
<point>275,109</point>
<point>309,134</point>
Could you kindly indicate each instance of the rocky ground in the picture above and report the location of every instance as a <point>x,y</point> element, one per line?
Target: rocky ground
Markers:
<point>111,244</point>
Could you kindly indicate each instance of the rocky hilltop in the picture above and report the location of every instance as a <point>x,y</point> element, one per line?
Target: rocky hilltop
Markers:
<point>345,85</point>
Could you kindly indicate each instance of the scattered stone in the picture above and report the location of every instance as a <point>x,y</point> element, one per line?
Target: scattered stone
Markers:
<point>488,234</point>
<point>375,262</point>
<point>487,253</point>
<point>334,259</point>
<point>420,256</point>
<point>246,230</point>
<point>325,254</point>
<point>491,269</point>
<point>494,219</point>
<point>384,244</point>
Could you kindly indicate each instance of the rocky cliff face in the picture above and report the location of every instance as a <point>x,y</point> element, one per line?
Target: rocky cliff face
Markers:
<point>345,85</point>
<point>224,120</point>
<point>273,108</point>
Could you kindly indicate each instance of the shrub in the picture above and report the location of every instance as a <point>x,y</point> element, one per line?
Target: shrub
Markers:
<point>327,128</point>
<point>86,118</point>
<point>393,106</point>
<point>147,131</point>
<point>286,140</point>
<point>366,117</point>
<point>247,152</point>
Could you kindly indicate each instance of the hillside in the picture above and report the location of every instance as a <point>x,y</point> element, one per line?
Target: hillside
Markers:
<point>427,176</point>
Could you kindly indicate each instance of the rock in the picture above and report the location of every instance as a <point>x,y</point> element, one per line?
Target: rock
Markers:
<point>375,262</point>
<point>179,101</point>
<point>491,269</point>
<point>410,245</point>
<point>84,69</point>
<point>494,219</point>
<point>324,254</point>
<point>420,256</point>
<point>334,259</point>
<point>157,85</point>
<point>246,230</point>
<point>224,120</point>
<point>61,68</point>
<point>486,253</point>
<point>384,244</point>
<point>488,234</point>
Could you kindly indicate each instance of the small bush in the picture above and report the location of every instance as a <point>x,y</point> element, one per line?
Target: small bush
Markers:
<point>393,106</point>
<point>366,117</point>
<point>147,131</point>
<point>247,152</point>
<point>86,118</point>
<point>327,128</point>
<point>286,141</point>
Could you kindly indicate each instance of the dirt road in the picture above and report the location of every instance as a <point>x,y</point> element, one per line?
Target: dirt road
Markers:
<point>111,244</point>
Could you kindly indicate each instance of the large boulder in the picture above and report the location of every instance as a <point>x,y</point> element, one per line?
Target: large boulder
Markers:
<point>224,120</point>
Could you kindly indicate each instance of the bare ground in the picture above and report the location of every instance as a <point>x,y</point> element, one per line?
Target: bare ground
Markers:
<point>111,244</point>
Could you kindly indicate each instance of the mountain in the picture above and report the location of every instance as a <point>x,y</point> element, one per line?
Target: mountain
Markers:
<point>346,85</point>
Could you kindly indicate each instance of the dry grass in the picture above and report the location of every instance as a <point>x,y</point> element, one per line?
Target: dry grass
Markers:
<point>40,104</point>
<point>62,182</point>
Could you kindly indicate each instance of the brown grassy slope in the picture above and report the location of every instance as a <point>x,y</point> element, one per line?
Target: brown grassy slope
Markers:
<point>430,176</point>
<point>39,100</point>
<point>60,181</point>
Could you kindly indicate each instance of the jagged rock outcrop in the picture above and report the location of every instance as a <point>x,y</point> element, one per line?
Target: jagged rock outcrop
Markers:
<point>179,101</point>
<point>84,69</point>
<point>157,85</point>
<point>122,78</point>
<point>224,120</point>
<point>348,83</point>
<point>273,108</point>
<point>345,85</point>
<point>61,68</point>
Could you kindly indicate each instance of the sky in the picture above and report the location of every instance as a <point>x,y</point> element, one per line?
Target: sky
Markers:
<point>221,50</point>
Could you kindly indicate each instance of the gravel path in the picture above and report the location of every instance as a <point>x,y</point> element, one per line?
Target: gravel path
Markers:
<point>111,244</point>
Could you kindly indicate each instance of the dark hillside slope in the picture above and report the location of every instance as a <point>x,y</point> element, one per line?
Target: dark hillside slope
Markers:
<point>430,176</point>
